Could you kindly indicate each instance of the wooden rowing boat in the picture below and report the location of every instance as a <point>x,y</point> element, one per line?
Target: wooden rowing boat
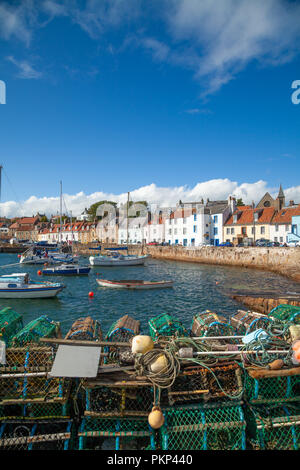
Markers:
<point>134,284</point>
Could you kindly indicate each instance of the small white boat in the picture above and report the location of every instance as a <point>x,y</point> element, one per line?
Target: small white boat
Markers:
<point>119,260</point>
<point>19,286</point>
<point>134,284</point>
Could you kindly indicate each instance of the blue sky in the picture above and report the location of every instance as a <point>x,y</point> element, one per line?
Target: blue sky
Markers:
<point>178,98</point>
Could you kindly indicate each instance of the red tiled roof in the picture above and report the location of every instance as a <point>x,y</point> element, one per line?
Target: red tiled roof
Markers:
<point>246,216</point>
<point>284,216</point>
<point>243,208</point>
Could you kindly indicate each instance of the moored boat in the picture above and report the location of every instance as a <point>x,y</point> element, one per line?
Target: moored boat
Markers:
<point>134,284</point>
<point>66,270</point>
<point>119,260</point>
<point>19,286</point>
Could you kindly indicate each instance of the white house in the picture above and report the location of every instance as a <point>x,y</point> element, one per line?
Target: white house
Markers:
<point>188,226</point>
<point>136,227</point>
<point>219,212</point>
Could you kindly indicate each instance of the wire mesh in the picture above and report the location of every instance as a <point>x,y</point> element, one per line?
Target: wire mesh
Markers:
<point>28,435</point>
<point>203,384</point>
<point>120,401</point>
<point>10,323</point>
<point>121,331</point>
<point>116,434</point>
<point>25,387</point>
<point>274,427</point>
<point>204,428</point>
<point>42,327</point>
<point>272,389</point>
<point>211,324</point>
<point>286,312</point>
<point>246,322</point>
<point>165,325</point>
<point>85,329</point>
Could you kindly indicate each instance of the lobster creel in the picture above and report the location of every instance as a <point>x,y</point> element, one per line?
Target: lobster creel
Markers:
<point>85,329</point>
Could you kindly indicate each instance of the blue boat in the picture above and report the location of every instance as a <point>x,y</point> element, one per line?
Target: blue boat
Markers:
<point>66,270</point>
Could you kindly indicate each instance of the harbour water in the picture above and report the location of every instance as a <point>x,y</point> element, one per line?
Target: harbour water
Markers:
<point>197,287</point>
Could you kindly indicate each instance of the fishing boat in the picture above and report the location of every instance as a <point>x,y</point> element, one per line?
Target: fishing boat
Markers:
<point>19,286</point>
<point>33,256</point>
<point>134,284</point>
<point>117,260</point>
<point>66,269</point>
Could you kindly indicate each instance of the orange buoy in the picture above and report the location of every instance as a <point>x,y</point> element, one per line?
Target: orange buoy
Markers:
<point>39,272</point>
<point>217,282</point>
<point>19,256</point>
<point>91,294</point>
<point>156,418</point>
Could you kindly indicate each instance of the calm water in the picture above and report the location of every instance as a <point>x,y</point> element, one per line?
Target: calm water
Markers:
<point>194,290</point>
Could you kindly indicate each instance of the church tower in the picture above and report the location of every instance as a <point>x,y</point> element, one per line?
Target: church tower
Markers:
<point>280,199</point>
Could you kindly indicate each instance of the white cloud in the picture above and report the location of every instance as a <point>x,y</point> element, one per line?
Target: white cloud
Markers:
<point>25,69</point>
<point>226,36</point>
<point>215,189</point>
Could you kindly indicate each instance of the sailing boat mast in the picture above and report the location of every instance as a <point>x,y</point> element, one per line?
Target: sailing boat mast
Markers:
<point>60,230</point>
<point>127,217</point>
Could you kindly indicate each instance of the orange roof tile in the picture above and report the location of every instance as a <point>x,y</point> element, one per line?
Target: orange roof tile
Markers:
<point>245,217</point>
<point>284,216</point>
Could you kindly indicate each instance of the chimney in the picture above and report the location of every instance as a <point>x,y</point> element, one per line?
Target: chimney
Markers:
<point>232,204</point>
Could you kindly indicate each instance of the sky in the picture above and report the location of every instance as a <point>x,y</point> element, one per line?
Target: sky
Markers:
<point>168,99</point>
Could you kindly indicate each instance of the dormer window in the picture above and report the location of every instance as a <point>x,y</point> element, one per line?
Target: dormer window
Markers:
<point>235,218</point>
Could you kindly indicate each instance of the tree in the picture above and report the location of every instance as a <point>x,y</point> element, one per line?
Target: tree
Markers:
<point>239,202</point>
<point>92,210</point>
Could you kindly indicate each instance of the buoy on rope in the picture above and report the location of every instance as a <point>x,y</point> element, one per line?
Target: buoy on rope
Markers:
<point>91,295</point>
<point>156,418</point>
<point>39,272</point>
<point>159,364</point>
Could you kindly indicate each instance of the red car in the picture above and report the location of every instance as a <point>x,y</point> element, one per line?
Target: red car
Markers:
<point>153,243</point>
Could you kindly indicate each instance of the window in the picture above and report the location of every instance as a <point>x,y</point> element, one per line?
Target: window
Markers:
<point>275,239</point>
<point>184,220</point>
<point>175,231</point>
<point>215,230</point>
<point>232,231</point>
<point>262,230</point>
<point>227,231</point>
<point>281,239</point>
<point>170,231</point>
<point>287,227</point>
<point>215,219</point>
<point>175,221</point>
<point>252,230</point>
<point>195,217</point>
<point>276,228</point>
<point>195,228</point>
<point>244,230</point>
<point>184,231</point>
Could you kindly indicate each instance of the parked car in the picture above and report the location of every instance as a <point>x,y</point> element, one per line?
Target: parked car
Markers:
<point>293,244</point>
<point>226,244</point>
<point>153,243</point>
<point>262,242</point>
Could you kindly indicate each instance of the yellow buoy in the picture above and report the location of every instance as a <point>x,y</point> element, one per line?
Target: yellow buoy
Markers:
<point>156,418</point>
<point>141,344</point>
<point>159,364</point>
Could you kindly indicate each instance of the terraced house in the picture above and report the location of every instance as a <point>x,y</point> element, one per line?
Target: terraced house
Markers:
<point>282,223</point>
<point>246,225</point>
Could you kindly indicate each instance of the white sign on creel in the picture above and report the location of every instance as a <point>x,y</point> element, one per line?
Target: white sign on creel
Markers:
<point>76,361</point>
<point>2,352</point>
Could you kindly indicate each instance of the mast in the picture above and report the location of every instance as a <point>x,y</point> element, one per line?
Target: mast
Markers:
<point>127,216</point>
<point>0,182</point>
<point>60,230</point>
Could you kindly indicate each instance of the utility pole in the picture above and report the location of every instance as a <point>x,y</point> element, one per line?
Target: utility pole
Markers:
<point>253,206</point>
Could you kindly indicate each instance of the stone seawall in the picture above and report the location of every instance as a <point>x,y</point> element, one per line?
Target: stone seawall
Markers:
<point>285,261</point>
